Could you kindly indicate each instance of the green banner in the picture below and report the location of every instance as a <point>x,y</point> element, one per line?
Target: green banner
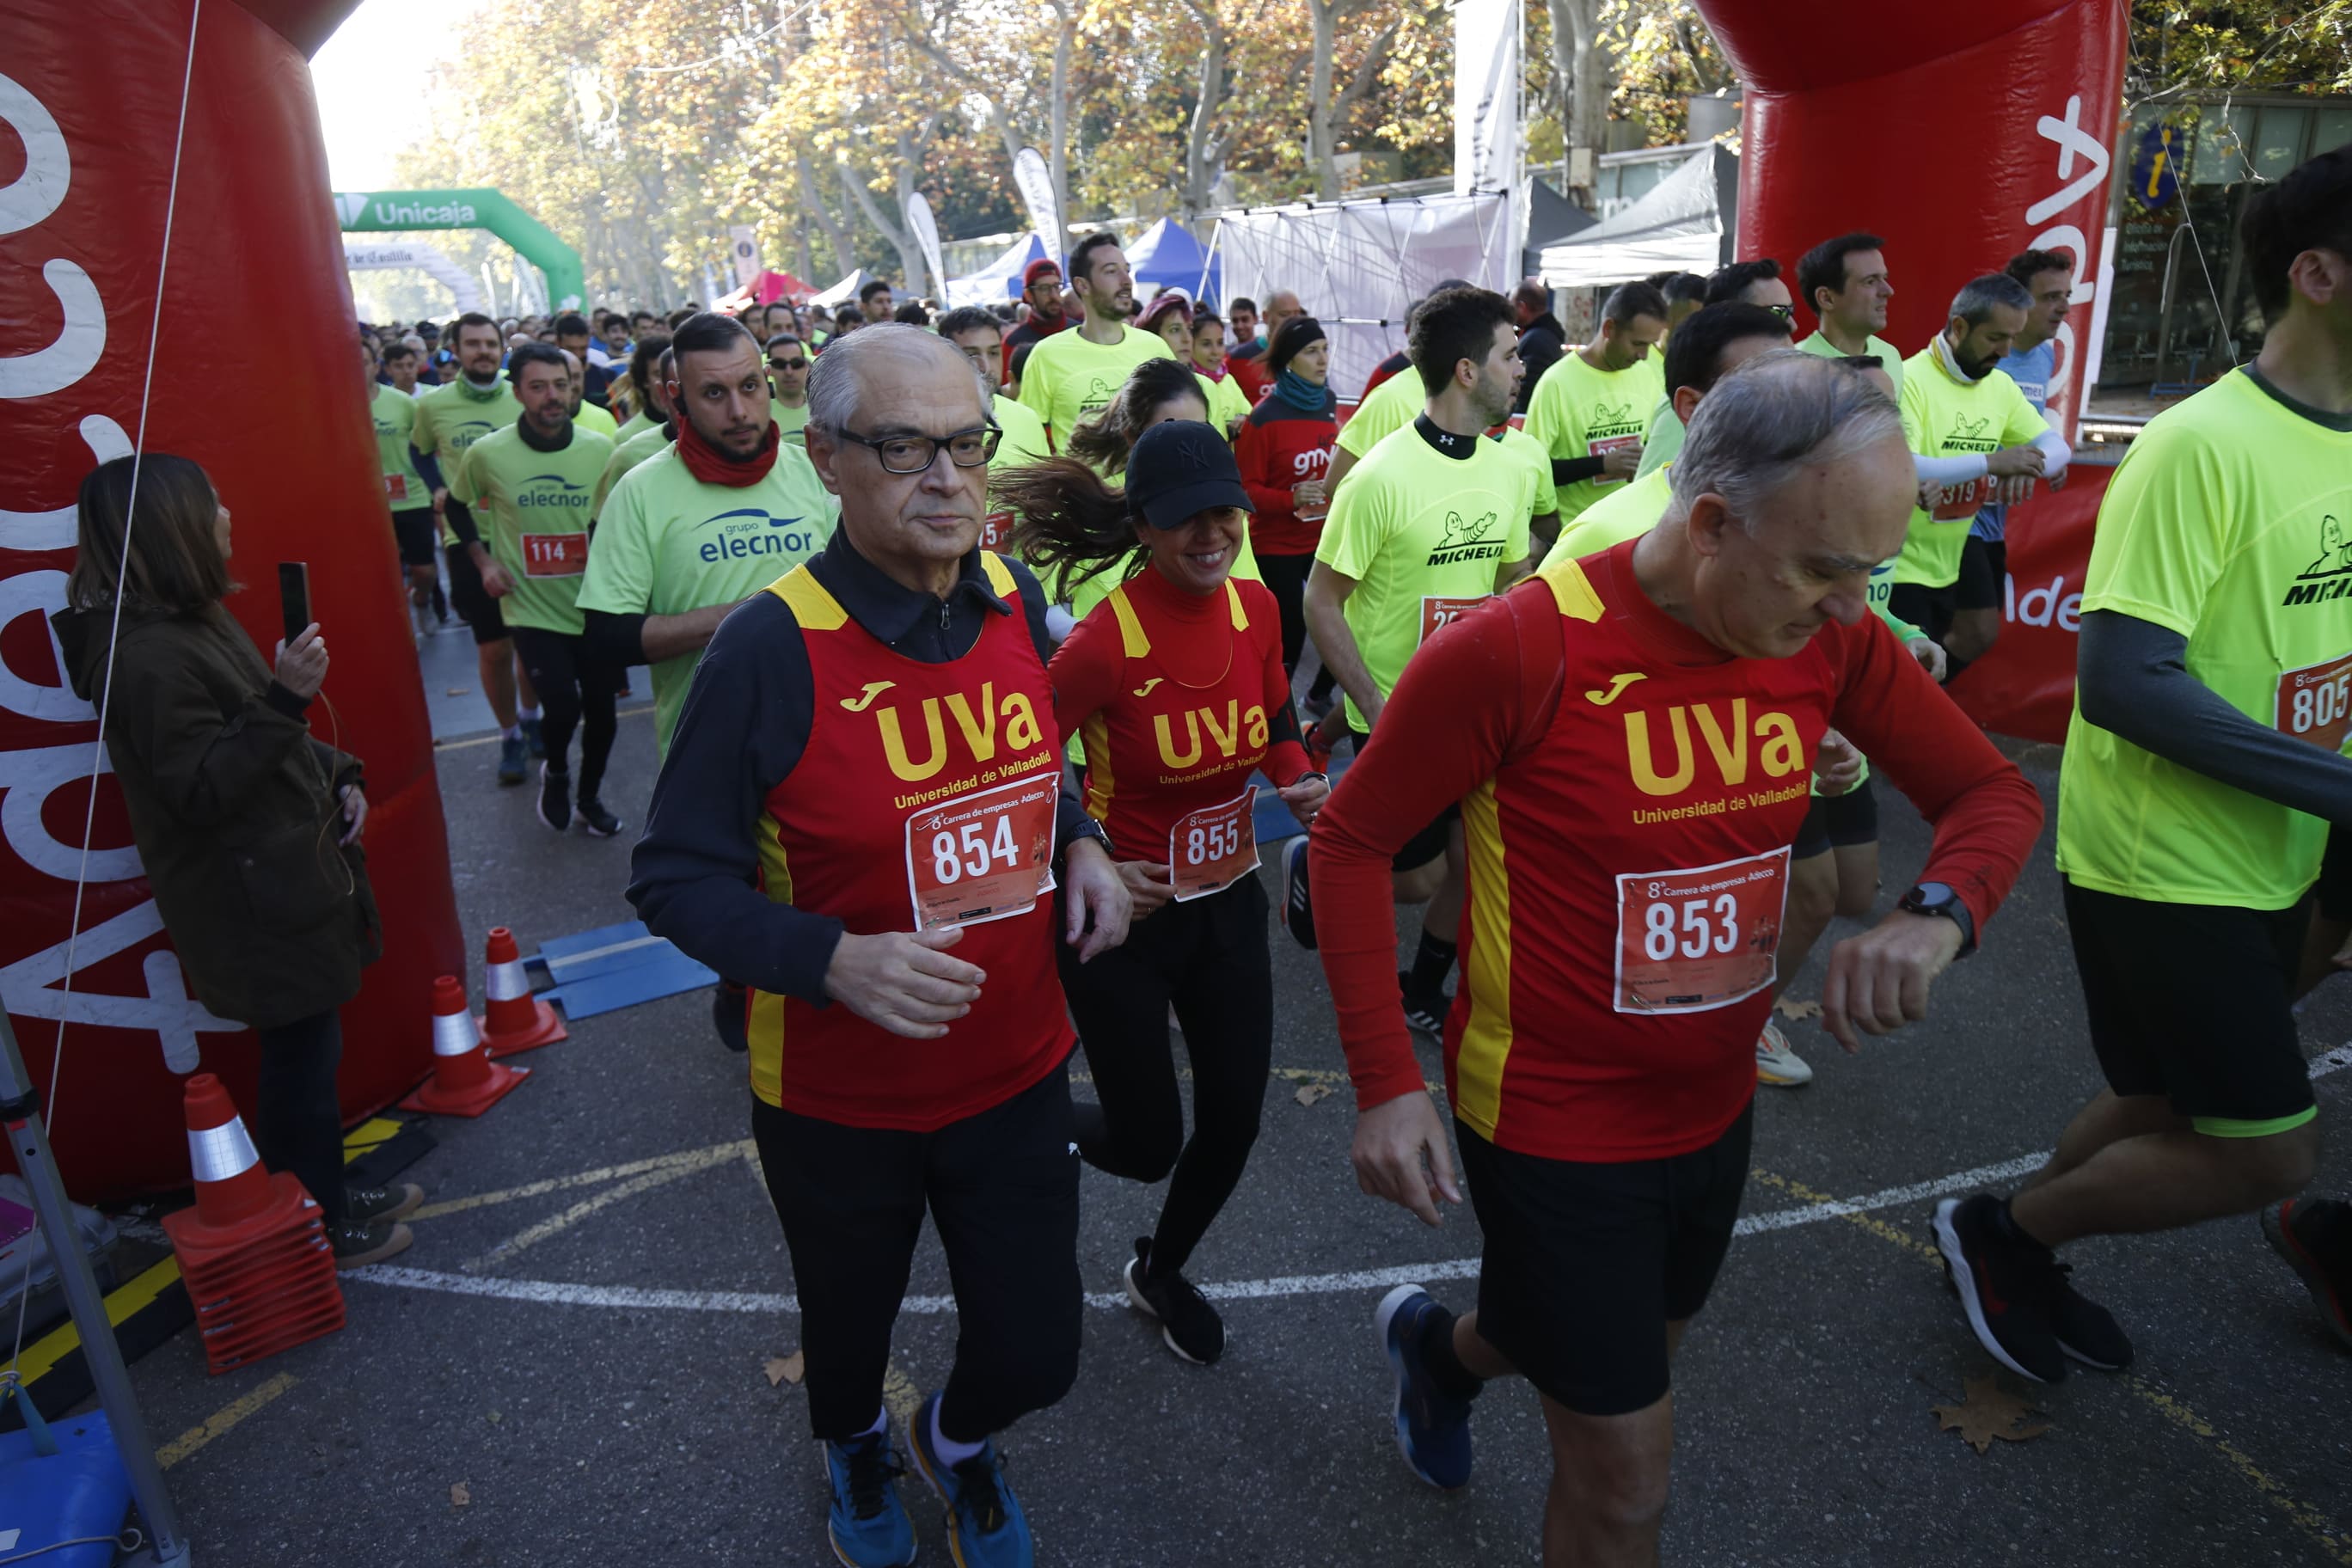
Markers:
<point>392,211</point>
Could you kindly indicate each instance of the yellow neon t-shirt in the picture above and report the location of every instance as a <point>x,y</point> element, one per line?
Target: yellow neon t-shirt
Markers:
<point>1580,412</point>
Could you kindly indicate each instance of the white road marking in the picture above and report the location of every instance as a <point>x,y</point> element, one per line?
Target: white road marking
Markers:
<point>1811,1213</point>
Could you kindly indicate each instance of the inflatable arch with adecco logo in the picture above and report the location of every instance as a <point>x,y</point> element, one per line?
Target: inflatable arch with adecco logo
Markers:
<point>1964,134</point>
<point>256,378</point>
<point>388,212</point>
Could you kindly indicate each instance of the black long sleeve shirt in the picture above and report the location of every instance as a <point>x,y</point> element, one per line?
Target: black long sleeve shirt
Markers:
<point>744,727</point>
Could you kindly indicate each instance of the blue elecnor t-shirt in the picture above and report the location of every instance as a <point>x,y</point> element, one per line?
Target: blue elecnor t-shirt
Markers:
<point>2031,370</point>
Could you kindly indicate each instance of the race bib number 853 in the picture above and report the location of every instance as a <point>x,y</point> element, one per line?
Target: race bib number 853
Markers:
<point>1690,941</point>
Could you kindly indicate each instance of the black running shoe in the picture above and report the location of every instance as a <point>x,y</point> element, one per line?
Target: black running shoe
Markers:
<point>1297,902</point>
<point>367,1206</point>
<point>600,823</point>
<point>2086,1330</point>
<point>727,1005</point>
<point>1426,1013</point>
<point>554,799</point>
<point>2008,1288</point>
<point>1187,1321</point>
<point>2291,1230</point>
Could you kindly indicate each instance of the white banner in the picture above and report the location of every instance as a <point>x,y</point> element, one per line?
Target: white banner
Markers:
<point>1359,266</point>
<point>1031,173</point>
<point>1486,95</point>
<point>743,250</point>
<point>926,230</point>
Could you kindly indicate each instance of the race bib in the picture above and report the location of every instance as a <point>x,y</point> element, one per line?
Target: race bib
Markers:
<point>1315,513</point>
<point>1439,611</point>
<point>555,554</point>
<point>1690,941</point>
<point>1954,503</point>
<point>1213,847</point>
<point>2315,703</point>
<point>996,531</point>
<point>1606,445</point>
<point>982,855</point>
<point>395,487</point>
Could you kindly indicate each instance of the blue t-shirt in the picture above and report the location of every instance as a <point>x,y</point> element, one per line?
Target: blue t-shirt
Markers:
<point>2031,370</point>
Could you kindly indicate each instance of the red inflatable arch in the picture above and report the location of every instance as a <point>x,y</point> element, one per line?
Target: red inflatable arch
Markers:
<point>1964,134</point>
<point>254,377</point>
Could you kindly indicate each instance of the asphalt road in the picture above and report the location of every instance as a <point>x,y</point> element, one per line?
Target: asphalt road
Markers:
<point>604,1403</point>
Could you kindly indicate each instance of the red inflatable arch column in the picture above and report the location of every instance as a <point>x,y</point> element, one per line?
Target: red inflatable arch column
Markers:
<point>256,378</point>
<point>1963,134</point>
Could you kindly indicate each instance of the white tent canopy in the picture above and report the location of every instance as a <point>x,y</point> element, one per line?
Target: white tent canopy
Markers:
<point>1685,222</point>
<point>1359,266</point>
<point>425,259</point>
<point>1000,280</point>
<point>843,292</point>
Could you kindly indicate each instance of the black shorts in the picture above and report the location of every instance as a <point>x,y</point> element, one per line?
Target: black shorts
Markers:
<point>1429,843</point>
<point>1838,822</point>
<point>467,597</point>
<point>2195,1002</point>
<point>1585,1265</point>
<point>412,528</point>
<point>2334,887</point>
<point>1930,609</point>
<point>1984,567</point>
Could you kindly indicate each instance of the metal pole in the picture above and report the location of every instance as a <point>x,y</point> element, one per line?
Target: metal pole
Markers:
<point>20,1111</point>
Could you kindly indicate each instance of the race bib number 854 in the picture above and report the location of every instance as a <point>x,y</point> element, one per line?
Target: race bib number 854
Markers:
<point>982,855</point>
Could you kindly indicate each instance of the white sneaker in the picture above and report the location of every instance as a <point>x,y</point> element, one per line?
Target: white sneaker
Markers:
<point>1776,1063</point>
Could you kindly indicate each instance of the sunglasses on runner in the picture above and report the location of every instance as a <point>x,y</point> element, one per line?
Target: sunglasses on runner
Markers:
<point>1786,313</point>
<point>788,364</point>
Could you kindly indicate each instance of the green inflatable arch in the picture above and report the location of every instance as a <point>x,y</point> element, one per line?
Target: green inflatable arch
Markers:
<point>362,212</point>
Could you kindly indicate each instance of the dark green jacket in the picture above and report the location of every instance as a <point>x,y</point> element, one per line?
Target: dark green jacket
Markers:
<point>234,808</point>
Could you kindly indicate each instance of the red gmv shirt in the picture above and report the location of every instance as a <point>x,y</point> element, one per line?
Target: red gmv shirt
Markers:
<point>1278,446</point>
<point>1179,697</point>
<point>1629,794</point>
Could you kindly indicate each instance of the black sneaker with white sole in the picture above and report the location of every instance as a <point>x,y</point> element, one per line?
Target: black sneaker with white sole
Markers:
<point>2086,1330</point>
<point>367,1206</point>
<point>1187,1321</point>
<point>554,799</point>
<point>2009,1287</point>
<point>1426,1013</point>
<point>600,823</point>
<point>1297,900</point>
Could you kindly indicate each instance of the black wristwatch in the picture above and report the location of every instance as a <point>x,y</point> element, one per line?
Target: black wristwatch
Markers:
<point>1091,829</point>
<point>1938,899</point>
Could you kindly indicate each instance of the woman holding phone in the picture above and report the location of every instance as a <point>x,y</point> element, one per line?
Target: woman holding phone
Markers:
<point>247,825</point>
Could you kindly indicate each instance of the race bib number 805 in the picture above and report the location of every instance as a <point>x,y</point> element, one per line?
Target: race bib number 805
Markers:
<point>1690,941</point>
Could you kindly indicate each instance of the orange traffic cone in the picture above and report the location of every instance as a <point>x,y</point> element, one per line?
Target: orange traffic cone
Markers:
<point>512,1019</point>
<point>254,1250</point>
<point>465,1082</point>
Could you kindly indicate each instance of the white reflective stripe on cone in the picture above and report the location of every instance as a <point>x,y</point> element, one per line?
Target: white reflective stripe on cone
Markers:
<point>216,1153</point>
<point>453,1034</point>
<point>507,981</point>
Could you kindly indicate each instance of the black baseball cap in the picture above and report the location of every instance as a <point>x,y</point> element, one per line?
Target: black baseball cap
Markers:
<point>1181,467</point>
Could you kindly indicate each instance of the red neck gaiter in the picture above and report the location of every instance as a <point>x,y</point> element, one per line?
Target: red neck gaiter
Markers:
<point>713,466</point>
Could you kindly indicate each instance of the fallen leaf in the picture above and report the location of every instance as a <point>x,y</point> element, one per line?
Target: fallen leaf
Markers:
<point>1794,1008</point>
<point>496,1418</point>
<point>1309,1093</point>
<point>787,1369</point>
<point>1988,1412</point>
<point>460,1496</point>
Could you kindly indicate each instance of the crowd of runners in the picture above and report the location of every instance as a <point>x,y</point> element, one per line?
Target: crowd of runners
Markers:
<point>976,643</point>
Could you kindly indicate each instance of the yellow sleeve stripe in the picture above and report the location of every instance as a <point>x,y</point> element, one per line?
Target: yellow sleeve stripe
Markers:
<point>812,607</point>
<point>1133,642</point>
<point>1234,598</point>
<point>1571,591</point>
<point>1000,576</point>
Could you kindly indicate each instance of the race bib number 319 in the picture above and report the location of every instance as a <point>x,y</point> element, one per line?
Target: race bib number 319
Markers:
<point>982,855</point>
<point>1690,941</point>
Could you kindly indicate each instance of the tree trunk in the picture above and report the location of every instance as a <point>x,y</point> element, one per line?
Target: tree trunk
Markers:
<point>812,202</point>
<point>1057,154</point>
<point>1204,150</point>
<point>1576,60</point>
<point>911,264</point>
<point>1326,112</point>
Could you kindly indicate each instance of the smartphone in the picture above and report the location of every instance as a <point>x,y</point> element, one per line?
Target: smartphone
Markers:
<point>294,596</point>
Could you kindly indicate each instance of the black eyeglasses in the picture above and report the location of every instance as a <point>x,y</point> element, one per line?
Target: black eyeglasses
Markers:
<point>788,364</point>
<point>915,454</point>
<point>1786,313</point>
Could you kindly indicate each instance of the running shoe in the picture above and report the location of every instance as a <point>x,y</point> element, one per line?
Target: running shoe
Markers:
<point>367,1205</point>
<point>1297,902</point>
<point>727,1005</point>
<point>510,758</point>
<point>1433,1431</point>
<point>1776,1063</point>
<point>358,1243</point>
<point>2008,1288</point>
<point>986,1528</point>
<point>2086,1330</point>
<point>600,823</point>
<point>2290,1230</point>
<point>554,799</point>
<point>1187,1321</point>
<point>533,738</point>
<point>868,1525</point>
<point>1426,1013</point>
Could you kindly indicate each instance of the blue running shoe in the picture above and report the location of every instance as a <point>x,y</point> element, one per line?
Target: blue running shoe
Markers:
<point>1432,1431</point>
<point>986,1528</point>
<point>868,1526</point>
<point>534,739</point>
<point>510,750</point>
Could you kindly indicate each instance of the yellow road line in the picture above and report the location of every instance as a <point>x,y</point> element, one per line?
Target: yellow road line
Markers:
<point>2314,1524</point>
<point>220,1421</point>
<point>695,1158</point>
<point>605,1199</point>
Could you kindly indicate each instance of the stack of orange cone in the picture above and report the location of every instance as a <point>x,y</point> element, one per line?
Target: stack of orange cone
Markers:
<point>254,1250</point>
<point>512,1019</point>
<point>464,1082</point>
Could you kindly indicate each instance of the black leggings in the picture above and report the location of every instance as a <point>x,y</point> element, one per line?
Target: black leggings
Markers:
<point>1208,958</point>
<point>576,684</point>
<point>298,1124</point>
<point>1286,578</point>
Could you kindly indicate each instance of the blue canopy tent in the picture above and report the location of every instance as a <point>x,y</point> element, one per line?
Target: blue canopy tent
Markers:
<point>1168,257</point>
<point>1000,279</point>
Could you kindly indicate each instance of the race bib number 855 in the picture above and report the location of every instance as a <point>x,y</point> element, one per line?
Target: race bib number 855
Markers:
<point>1689,941</point>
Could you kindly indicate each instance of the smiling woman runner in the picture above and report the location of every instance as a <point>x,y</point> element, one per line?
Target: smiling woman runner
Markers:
<point>1176,682</point>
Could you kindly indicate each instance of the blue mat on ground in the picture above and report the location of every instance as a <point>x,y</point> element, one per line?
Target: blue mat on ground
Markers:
<point>613,967</point>
<point>1273,819</point>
